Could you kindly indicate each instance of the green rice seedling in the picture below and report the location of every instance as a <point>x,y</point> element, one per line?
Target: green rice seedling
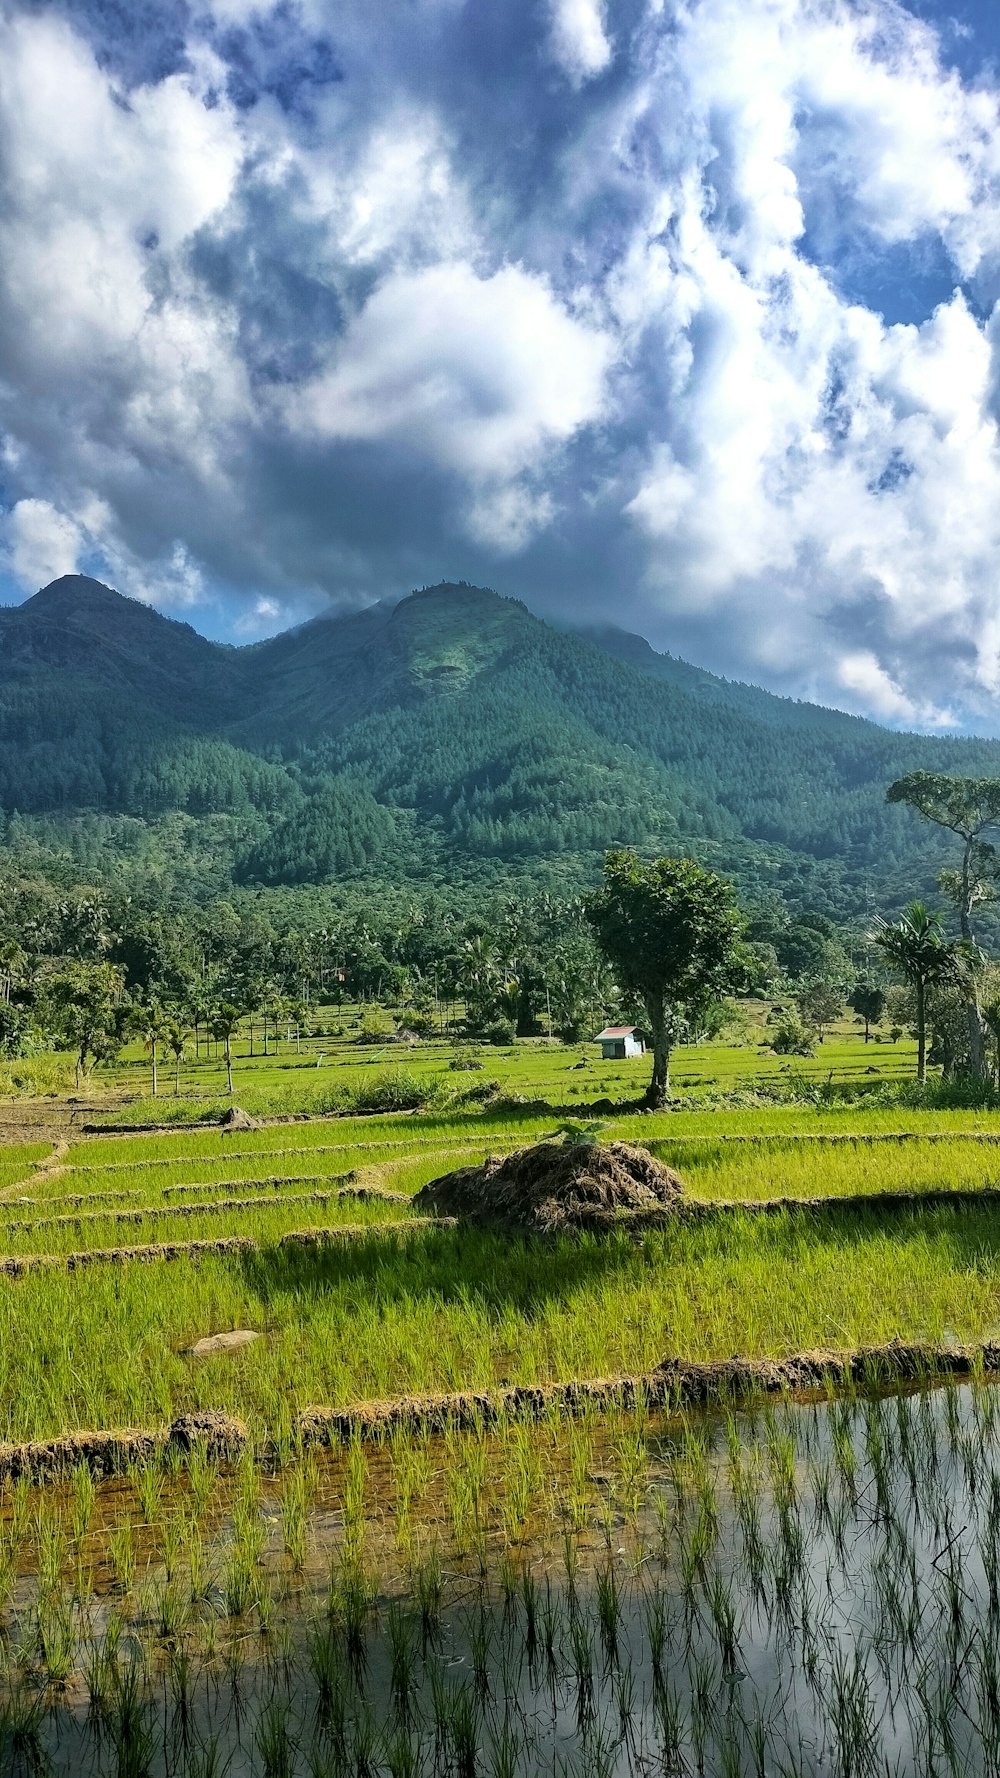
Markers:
<point>175,1537</point>
<point>349,1604</point>
<point>364,1750</point>
<point>56,1636</point>
<point>521,1481</point>
<point>130,1725</point>
<point>505,1748</point>
<point>200,1574</point>
<point>22,1713</point>
<point>51,1548</point>
<point>171,1611</point>
<point>464,1728</point>
<point>355,1491</point>
<point>203,1479</point>
<point>402,1754</point>
<point>609,1611</point>
<point>582,1668</point>
<point>180,1687</point>
<point>326,1668</point>
<point>122,1552</point>
<point>275,1745</point>
<point>480,1633</point>
<point>84,1497</point>
<point>263,1601</point>
<point>207,1759</point>
<point>723,1616</point>
<point>428,1587</point>
<point>570,1567</point>
<point>632,1461</point>
<point>579,1451</point>
<point>147,1482</point>
<point>401,1636</point>
<point>100,1666</point>
<point>20,1508</point>
<point>295,1517</point>
<point>529,1602</point>
<point>655,1626</point>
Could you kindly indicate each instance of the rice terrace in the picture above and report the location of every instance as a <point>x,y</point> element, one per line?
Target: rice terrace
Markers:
<point>500,889</point>
<point>312,1465</point>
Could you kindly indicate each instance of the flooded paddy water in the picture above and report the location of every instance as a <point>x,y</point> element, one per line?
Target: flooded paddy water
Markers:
<point>808,1586</point>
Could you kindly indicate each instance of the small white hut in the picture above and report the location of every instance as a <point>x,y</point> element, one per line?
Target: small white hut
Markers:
<point>620,1041</point>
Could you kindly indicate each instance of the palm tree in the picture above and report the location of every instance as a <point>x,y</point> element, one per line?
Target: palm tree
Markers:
<point>153,1027</point>
<point>915,946</point>
<point>177,1040</point>
<point>225,1023</point>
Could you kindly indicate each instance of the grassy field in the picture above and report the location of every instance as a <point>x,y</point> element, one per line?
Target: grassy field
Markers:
<point>619,1592</point>
<point>377,1303</point>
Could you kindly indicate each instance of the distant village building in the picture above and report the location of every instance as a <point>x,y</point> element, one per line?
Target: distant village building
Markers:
<point>619,1041</point>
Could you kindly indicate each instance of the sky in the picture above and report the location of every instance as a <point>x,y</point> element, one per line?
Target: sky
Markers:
<point>682,315</point>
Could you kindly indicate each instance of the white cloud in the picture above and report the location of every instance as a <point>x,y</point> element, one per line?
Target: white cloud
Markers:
<point>579,40</point>
<point>482,375</point>
<point>878,694</point>
<point>42,543</point>
<point>642,308</point>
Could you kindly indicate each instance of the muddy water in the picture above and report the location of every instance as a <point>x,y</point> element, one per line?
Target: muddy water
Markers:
<point>814,1588</point>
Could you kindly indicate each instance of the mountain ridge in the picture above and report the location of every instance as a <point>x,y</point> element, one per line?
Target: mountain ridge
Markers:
<point>449,733</point>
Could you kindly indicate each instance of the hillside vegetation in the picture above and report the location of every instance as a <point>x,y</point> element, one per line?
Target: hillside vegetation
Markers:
<point>452,737</point>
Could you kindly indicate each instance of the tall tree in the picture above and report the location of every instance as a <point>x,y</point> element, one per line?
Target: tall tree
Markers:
<point>916,948</point>
<point>151,1022</point>
<point>224,1024</point>
<point>671,930</point>
<point>967,807</point>
<point>868,1001</point>
<point>178,1040</point>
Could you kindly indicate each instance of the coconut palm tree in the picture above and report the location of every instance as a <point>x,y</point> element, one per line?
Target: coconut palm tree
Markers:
<point>916,948</point>
<point>152,1029</point>
<point>178,1040</point>
<point>224,1024</point>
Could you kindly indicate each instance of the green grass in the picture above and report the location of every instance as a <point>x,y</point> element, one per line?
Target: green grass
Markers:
<point>386,1314</point>
<point>450,1309</point>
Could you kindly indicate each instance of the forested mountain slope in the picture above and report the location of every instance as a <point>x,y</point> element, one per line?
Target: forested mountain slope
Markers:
<point>450,734</point>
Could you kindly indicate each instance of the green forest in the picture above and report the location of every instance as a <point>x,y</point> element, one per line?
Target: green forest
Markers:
<point>452,741</point>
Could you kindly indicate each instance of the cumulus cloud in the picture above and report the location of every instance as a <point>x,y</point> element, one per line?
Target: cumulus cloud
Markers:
<point>42,543</point>
<point>481,374</point>
<point>579,40</point>
<point>683,310</point>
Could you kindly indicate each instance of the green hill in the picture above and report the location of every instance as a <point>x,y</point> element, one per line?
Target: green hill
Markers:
<point>452,736</point>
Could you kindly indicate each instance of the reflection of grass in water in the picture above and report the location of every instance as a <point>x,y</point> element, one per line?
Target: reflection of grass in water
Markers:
<point>833,1569</point>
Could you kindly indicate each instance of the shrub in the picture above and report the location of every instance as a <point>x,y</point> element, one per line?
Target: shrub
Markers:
<point>792,1038</point>
<point>500,1035</point>
<point>374,1028</point>
<point>394,1089</point>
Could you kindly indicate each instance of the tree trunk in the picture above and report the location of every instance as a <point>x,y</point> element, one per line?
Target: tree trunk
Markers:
<point>153,1059</point>
<point>867,1029</point>
<point>974,1019</point>
<point>229,1067</point>
<point>177,1075</point>
<point>921,1033</point>
<point>658,1091</point>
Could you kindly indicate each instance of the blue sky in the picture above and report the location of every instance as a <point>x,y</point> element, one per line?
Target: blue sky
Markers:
<point>680,314</point>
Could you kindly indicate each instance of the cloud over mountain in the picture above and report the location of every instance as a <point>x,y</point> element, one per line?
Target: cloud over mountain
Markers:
<point>678,313</point>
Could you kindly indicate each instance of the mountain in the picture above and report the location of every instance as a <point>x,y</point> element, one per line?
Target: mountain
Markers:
<point>451,736</point>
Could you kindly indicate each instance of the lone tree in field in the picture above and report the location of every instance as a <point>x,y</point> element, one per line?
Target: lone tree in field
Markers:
<point>225,1023</point>
<point>868,1002</point>
<point>966,807</point>
<point>671,932</point>
<point>915,946</point>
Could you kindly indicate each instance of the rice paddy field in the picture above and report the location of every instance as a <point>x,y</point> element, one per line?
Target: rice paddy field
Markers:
<point>296,1479</point>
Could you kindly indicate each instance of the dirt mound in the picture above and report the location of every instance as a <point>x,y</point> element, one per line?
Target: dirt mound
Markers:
<point>557,1185</point>
<point>238,1119</point>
